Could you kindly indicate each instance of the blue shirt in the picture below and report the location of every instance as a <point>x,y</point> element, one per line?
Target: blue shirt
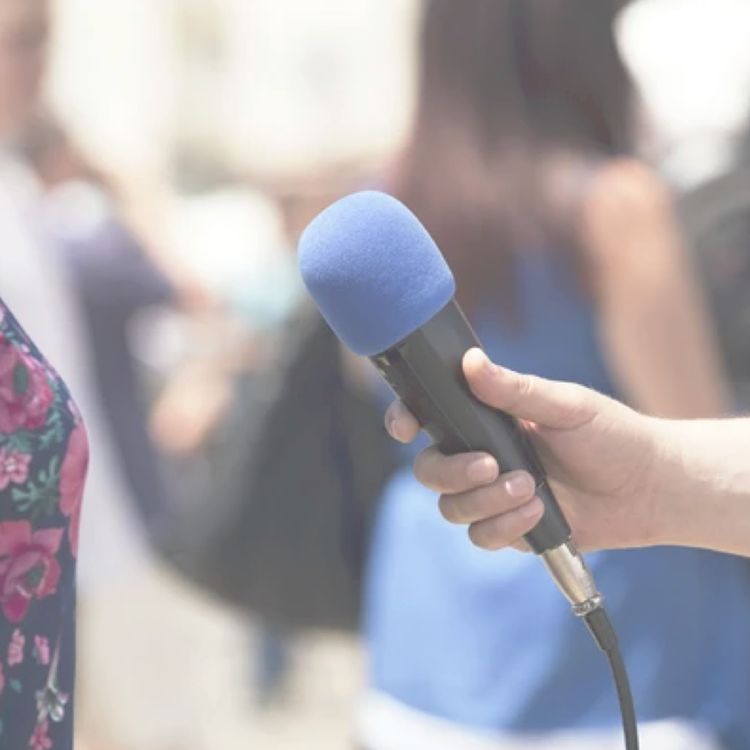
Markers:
<point>485,639</point>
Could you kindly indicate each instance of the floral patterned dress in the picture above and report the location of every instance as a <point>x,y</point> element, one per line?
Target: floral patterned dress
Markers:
<point>43,462</point>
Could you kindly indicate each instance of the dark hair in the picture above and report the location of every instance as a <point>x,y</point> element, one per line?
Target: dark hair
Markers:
<point>508,88</point>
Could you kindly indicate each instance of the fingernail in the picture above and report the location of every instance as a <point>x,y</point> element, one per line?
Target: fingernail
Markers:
<point>393,428</point>
<point>520,485</point>
<point>483,469</point>
<point>532,509</point>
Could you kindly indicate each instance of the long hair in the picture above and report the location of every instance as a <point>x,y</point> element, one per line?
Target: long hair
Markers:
<point>508,88</point>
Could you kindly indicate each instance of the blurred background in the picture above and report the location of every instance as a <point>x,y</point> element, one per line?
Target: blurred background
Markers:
<point>179,147</point>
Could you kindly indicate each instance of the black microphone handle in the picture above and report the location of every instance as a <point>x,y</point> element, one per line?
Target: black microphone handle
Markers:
<point>425,372</point>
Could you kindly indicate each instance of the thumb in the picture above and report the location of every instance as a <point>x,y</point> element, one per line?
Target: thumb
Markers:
<point>548,403</point>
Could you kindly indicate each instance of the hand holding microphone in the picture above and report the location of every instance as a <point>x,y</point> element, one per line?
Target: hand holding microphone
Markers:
<point>598,455</point>
<point>384,287</point>
<point>623,480</point>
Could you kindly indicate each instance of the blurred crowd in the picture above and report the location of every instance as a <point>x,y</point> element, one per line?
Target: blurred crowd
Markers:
<point>258,568</point>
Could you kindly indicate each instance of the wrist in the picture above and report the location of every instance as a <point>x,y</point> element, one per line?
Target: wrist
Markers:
<point>662,486</point>
<point>670,484</point>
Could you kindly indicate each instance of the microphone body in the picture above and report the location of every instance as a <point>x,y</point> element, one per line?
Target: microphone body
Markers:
<point>424,371</point>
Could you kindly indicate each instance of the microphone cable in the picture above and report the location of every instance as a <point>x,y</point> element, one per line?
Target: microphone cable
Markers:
<point>601,629</point>
<point>570,573</point>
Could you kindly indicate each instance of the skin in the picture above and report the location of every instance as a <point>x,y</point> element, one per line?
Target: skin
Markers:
<point>623,479</point>
<point>24,32</point>
<point>651,316</point>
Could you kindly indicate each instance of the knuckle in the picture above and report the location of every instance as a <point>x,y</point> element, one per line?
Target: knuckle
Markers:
<point>526,386</point>
<point>477,535</point>
<point>521,389</point>
<point>488,535</point>
<point>582,407</point>
<point>498,532</point>
<point>421,467</point>
<point>450,509</point>
<point>430,470</point>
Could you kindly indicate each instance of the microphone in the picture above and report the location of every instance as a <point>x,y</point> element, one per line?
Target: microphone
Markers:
<point>385,289</point>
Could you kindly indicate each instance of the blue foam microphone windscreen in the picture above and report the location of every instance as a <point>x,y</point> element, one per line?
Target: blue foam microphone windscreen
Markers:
<point>374,271</point>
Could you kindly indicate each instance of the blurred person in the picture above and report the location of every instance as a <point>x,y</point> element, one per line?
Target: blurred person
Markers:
<point>114,280</point>
<point>112,545</point>
<point>43,443</point>
<point>225,458</point>
<point>570,264</point>
<point>43,460</point>
<point>43,455</point>
<point>716,218</point>
<point>24,31</point>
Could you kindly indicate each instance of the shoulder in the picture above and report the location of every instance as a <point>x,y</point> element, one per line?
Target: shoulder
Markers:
<point>627,208</point>
<point>626,189</point>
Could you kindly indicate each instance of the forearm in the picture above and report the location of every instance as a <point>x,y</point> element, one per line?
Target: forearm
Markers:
<point>702,483</point>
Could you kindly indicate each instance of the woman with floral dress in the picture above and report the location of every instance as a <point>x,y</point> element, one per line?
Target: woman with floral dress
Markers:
<point>43,461</point>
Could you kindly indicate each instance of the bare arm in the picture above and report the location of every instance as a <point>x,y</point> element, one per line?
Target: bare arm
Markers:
<point>655,331</point>
<point>704,476</point>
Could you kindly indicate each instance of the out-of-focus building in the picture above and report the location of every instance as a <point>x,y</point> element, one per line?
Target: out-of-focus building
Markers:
<point>264,85</point>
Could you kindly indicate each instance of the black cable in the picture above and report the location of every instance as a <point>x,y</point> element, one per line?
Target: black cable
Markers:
<point>604,634</point>
<point>629,724</point>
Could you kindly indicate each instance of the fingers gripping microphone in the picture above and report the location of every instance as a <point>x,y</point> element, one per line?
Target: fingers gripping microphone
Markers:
<point>384,287</point>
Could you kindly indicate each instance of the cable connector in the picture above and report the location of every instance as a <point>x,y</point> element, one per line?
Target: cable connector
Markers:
<point>590,605</point>
<point>568,570</point>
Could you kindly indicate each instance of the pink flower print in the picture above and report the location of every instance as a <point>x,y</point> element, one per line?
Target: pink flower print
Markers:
<point>2,678</point>
<point>14,467</point>
<point>16,647</point>
<point>41,650</point>
<point>40,740</point>
<point>72,480</point>
<point>25,392</point>
<point>28,567</point>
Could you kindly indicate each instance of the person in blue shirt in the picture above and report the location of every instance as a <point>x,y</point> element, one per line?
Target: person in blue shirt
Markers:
<point>570,265</point>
